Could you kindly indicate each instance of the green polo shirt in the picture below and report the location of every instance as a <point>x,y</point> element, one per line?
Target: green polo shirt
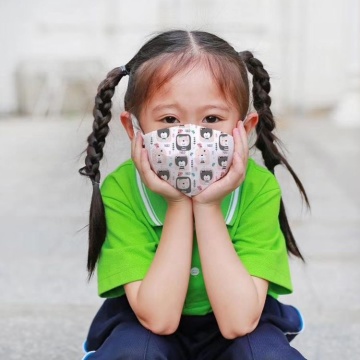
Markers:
<point>135,215</point>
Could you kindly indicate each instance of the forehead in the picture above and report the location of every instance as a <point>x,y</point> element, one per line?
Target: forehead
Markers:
<point>195,86</point>
<point>205,76</point>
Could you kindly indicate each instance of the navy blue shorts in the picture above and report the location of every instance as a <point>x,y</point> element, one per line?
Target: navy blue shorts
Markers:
<point>116,334</point>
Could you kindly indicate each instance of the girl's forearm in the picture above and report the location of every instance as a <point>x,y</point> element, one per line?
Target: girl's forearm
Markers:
<point>161,295</point>
<point>237,299</point>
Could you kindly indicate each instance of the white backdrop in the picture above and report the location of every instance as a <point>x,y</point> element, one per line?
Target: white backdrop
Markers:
<point>308,47</point>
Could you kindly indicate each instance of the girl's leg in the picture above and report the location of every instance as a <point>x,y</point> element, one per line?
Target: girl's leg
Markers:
<point>134,342</point>
<point>278,325</point>
<point>266,342</point>
<point>116,334</point>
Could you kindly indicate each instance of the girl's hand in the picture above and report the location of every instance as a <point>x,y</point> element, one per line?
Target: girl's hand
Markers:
<point>148,176</point>
<point>235,176</point>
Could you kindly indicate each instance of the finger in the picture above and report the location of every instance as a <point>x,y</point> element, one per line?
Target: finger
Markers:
<point>149,176</point>
<point>144,161</point>
<point>240,142</point>
<point>240,156</point>
<point>243,139</point>
<point>152,180</point>
<point>133,145</point>
<point>133,148</point>
<point>136,148</point>
<point>232,180</point>
<point>238,148</point>
<point>239,168</point>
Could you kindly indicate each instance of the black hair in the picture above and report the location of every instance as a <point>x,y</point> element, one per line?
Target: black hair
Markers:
<point>267,141</point>
<point>182,49</point>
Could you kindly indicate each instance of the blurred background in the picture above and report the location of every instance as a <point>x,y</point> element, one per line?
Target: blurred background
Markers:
<point>53,56</point>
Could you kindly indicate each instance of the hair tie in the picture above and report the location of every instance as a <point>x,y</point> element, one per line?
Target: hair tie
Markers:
<point>124,71</point>
<point>96,183</point>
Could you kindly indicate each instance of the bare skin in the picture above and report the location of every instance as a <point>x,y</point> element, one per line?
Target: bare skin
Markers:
<point>236,297</point>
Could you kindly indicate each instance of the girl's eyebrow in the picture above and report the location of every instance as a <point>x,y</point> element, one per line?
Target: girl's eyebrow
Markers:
<point>165,106</point>
<point>222,107</point>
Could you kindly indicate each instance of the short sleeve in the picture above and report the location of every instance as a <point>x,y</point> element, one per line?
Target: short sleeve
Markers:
<point>259,241</point>
<point>130,243</point>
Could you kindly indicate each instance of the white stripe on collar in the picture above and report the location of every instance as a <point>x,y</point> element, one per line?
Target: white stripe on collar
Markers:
<point>146,200</point>
<point>232,206</point>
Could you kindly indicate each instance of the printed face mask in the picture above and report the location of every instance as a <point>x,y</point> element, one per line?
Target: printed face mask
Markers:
<point>188,157</point>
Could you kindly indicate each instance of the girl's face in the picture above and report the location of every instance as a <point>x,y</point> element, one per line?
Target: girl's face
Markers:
<point>190,97</point>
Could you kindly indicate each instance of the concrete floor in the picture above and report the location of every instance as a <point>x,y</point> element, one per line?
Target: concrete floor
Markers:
<point>46,303</point>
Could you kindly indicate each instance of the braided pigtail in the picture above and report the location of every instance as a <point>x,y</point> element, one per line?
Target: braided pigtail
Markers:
<point>94,153</point>
<point>267,140</point>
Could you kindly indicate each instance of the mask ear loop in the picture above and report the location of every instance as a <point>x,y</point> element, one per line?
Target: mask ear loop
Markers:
<point>245,119</point>
<point>136,125</point>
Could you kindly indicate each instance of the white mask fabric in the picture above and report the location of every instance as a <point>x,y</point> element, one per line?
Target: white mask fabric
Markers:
<point>189,157</point>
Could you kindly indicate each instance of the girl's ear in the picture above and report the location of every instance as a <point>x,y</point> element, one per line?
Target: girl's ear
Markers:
<point>127,124</point>
<point>250,122</point>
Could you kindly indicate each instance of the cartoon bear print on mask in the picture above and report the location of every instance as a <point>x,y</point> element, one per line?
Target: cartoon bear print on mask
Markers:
<point>206,133</point>
<point>183,184</point>
<point>181,161</point>
<point>222,161</point>
<point>159,156</point>
<point>183,142</point>
<point>201,156</point>
<point>224,142</point>
<point>164,174</point>
<point>206,175</point>
<point>163,135</point>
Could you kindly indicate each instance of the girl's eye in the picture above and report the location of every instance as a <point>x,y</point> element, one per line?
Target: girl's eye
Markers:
<point>170,120</point>
<point>211,119</point>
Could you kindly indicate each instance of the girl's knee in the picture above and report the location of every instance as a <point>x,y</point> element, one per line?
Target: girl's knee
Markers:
<point>130,342</point>
<point>118,352</point>
<point>275,353</point>
<point>283,352</point>
<point>264,348</point>
<point>136,346</point>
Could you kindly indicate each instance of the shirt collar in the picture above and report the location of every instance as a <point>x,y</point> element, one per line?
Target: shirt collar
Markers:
<point>155,206</point>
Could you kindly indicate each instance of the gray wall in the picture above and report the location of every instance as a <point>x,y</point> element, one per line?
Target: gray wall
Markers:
<point>54,53</point>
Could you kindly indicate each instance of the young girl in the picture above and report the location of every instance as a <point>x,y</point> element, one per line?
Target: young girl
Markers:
<point>190,237</point>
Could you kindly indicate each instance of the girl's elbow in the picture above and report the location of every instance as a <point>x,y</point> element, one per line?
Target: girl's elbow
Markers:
<point>159,327</point>
<point>233,332</point>
<point>166,329</point>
